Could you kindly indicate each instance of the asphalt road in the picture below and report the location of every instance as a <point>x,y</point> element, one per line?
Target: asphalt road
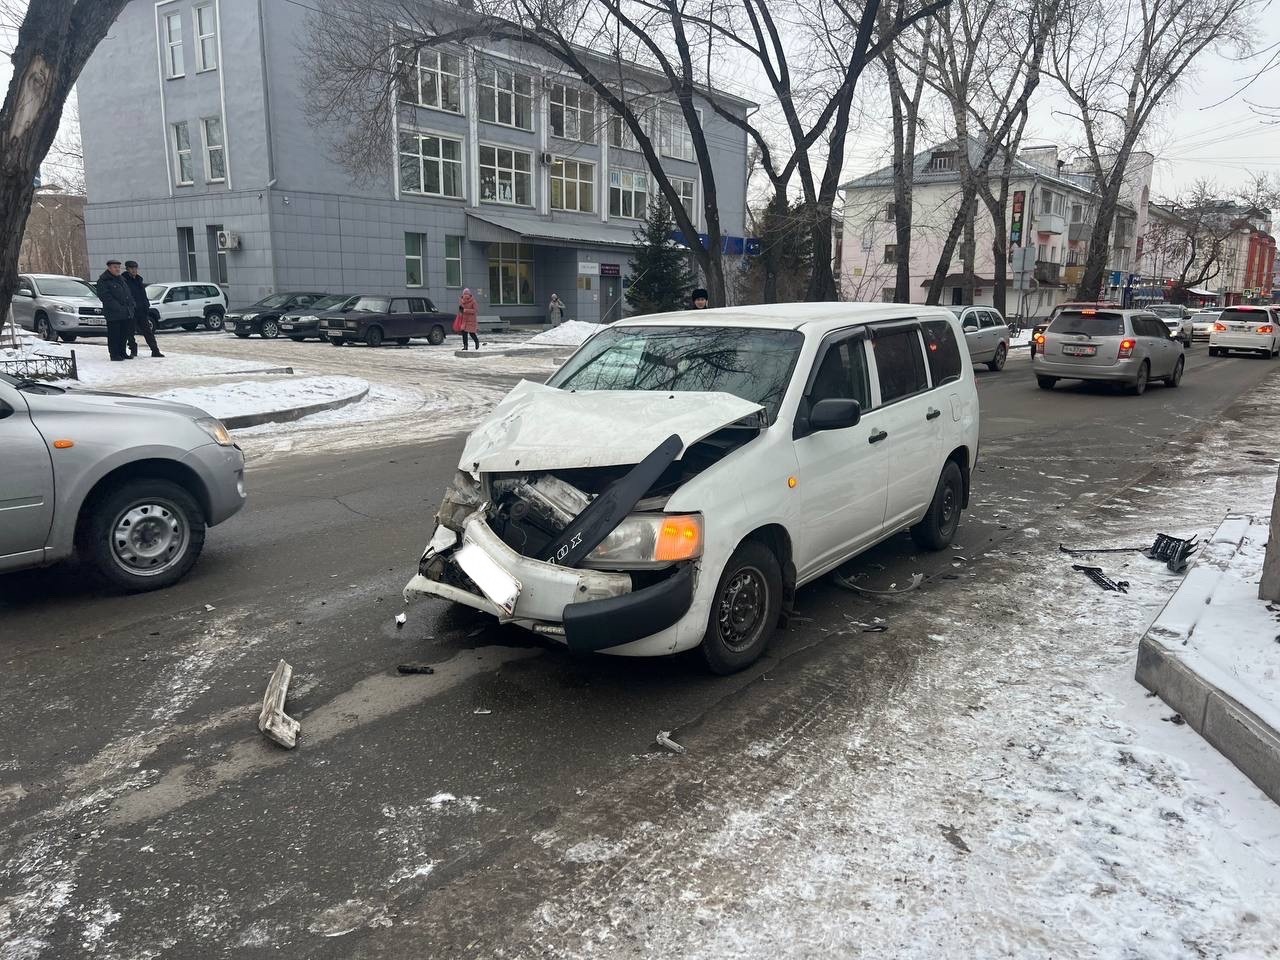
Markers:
<point>142,815</point>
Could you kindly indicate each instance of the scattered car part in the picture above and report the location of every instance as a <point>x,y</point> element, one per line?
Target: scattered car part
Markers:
<point>664,740</point>
<point>414,668</point>
<point>400,620</point>
<point>1101,579</point>
<point>482,711</point>
<point>848,584</point>
<point>1174,552</point>
<point>275,724</point>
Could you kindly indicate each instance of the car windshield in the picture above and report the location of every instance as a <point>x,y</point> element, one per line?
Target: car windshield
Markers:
<point>752,364</point>
<point>65,287</point>
<point>372,305</point>
<point>329,303</point>
<point>271,302</point>
<point>1098,324</point>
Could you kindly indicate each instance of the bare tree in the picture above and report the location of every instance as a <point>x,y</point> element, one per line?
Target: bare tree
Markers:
<point>1118,64</point>
<point>905,103</point>
<point>55,41</point>
<point>1198,239</point>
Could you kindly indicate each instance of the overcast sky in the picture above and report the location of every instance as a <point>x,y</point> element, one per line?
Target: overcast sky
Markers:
<point>1199,137</point>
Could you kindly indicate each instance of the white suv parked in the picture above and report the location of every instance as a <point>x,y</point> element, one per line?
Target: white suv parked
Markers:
<point>187,305</point>
<point>680,476</point>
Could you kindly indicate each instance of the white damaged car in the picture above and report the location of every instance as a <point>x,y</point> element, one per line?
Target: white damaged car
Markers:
<point>680,476</point>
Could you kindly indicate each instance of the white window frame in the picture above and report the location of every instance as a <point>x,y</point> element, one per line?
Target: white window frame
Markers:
<point>205,62</point>
<point>418,257</point>
<point>626,138</point>
<point>577,122</point>
<point>674,139</point>
<point>211,148</point>
<point>431,62</point>
<point>175,66</point>
<point>632,192</point>
<point>448,261</point>
<point>585,188</point>
<point>179,153</point>
<point>511,172</point>
<point>690,195</point>
<point>440,161</point>
<point>491,91</point>
<point>514,255</point>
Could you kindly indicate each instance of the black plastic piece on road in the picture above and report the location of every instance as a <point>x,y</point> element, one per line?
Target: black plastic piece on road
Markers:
<point>1173,551</point>
<point>1101,579</point>
<point>599,624</point>
<point>586,531</point>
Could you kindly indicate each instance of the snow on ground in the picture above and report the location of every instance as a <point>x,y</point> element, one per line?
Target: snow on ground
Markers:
<point>248,397</point>
<point>1023,796</point>
<point>568,334</point>
<point>98,370</point>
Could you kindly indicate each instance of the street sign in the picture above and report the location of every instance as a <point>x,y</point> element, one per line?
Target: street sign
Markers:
<point>1015,224</point>
<point>1117,277</point>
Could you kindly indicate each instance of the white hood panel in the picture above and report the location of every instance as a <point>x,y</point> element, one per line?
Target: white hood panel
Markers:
<point>537,427</point>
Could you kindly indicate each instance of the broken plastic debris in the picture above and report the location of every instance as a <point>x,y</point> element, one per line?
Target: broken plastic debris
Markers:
<point>208,607</point>
<point>274,723</point>
<point>916,580</point>
<point>664,740</point>
<point>400,620</point>
<point>482,711</point>
<point>410,668</point>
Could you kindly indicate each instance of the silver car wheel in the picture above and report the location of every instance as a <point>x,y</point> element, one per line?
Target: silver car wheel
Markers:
<point>44,329</point>
<point>150,537</point>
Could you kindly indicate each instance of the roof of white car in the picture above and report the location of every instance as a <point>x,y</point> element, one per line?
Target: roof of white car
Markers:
<point>794,316</point>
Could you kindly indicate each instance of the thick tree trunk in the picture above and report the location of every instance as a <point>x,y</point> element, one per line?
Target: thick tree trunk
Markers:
<point>1269,588</point>
<point>965,213</point>
<point>1095,264</point>
<point>905,120</point>
<point>968,259</point>
<point>996,207</point>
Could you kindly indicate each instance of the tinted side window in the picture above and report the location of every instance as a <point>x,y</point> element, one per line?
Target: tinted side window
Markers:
<point>212,292</point>
<point>431,307</point>
<point>177,294</point>
<point>900,364</point>
<point>417,305</point>
<point>843,374</point>
<point>970,321</point>
<point>988,320</point>
<point>944,352</point>
<point>399,305</point>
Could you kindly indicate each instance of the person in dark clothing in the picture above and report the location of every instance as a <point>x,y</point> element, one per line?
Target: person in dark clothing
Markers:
<point>117,307</point>
<point>141,311</point>
<point>698,300</point>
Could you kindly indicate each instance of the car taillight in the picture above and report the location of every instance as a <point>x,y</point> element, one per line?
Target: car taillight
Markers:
<point>1037,343</point>
<point>1220,327</point>
<point>1126,347</point>
<point>1267,330</point>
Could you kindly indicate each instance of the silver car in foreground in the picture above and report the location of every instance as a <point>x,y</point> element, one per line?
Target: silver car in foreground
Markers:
<point>1126,347</point>
<point>58,307</point>
<point>127,483</point>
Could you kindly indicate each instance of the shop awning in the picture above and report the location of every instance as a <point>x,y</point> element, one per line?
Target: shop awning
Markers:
<point>501,228</point>
<point>1201,293</point>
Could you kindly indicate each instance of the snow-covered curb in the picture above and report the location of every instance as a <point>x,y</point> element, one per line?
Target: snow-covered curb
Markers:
<point>254,402</point>
<point>568,334</point>
<point>1212,653</point>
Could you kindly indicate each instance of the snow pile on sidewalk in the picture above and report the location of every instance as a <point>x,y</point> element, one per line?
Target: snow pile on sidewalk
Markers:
<point>27,343</point>
<point>250,397</point>
<point>568,334</point>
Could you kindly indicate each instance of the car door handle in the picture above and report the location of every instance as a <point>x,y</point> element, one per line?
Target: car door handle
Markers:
<point>933,414</point>
<point>877,436</point>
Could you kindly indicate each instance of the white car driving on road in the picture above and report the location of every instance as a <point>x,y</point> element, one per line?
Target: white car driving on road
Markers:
<point>1248,330</point>
<point>680,476</point>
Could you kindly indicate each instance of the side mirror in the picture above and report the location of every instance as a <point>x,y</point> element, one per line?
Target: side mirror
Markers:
<point>23,292</point>
<point>969,325</point>
<point>834,414</point>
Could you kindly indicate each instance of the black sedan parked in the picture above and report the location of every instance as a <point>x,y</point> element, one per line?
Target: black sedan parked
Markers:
<point>305,321</point>
<point>375,319</point>
<point>263,317</point>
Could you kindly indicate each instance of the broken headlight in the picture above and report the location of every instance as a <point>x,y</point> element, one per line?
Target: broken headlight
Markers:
<point>650,539</point>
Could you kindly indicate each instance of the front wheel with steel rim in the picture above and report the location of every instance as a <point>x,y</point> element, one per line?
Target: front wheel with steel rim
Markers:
<point>1139,386</point>
<point>938,528</point>
<point>996,363</point>
<point>745,609</point>
<point>1175,378</point>
<point>144,535</point>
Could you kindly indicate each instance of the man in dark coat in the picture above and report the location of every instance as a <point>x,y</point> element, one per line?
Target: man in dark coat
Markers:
<point>117,307</point>
<point>141,311</point>
<point>698,300</point>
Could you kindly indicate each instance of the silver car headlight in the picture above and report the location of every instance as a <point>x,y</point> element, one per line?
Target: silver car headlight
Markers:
<point>64,308</point>
<point>214,428</point>
<point>248,316</point>
<point>651,539</point>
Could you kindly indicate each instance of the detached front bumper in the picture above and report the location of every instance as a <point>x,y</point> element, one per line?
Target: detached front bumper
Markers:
<point>589,609</point>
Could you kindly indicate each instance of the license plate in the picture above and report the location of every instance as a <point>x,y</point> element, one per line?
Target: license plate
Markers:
<point>93,322</point>
<point>1079,350</point>
<point>1236,326</point>
<point>286,326</point>
<point>228,325</point>
<point>494,582</point>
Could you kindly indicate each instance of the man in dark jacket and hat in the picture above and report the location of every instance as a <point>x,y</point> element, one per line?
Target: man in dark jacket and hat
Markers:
<point>699,300</point>
<point>141,311</point>
<point>117,307</point>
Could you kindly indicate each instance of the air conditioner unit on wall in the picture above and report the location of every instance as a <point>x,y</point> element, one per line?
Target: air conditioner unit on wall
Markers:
<point>545,158</point>
<point>228,240</point>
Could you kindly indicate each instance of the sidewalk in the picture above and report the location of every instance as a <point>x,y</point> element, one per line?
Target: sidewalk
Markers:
<point>1213,653</point>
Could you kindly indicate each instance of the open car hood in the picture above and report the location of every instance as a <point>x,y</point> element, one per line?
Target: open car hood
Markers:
<point>537,427</point>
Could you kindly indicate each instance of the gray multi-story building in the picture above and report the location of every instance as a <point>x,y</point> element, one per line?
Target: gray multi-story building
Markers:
<point>511,178</point>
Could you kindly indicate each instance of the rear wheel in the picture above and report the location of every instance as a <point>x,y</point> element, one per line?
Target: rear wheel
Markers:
<point>373,337</point>
<point>213,320</point>
<point>745,609</point>
<point>1214,352</point>
<point>143,536</point>
<point>1139,385</point>
<point>1046,383</point>
<point>938,528</point>
<point>270,329</point>
<point>436,336</point>
<point>1175,378</point>
<point>997,362</point>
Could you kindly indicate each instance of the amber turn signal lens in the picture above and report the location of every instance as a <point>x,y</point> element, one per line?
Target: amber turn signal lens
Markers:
<point>679,539</point>
<point>63,444</point>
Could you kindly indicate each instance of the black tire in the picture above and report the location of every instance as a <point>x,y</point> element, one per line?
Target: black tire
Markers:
<point>996,363</point>
<point>403,341</point>
<point>1046,383</point>
<point>190,326</point>
<point>68,337</point>
<point>297,339</point>
<point>1175,378</point>
<point>1139,386</point>
<point>742,621</point>
<point>44,329</point>
<point>1213,351</point>
<point>373,336</point>
<point>270,329</point>
<point>213,320</point>
<point>169,521</point>
<point>242,334</point>
<point>336,343</point>
<point>436,336</point>
<point>938,528</point>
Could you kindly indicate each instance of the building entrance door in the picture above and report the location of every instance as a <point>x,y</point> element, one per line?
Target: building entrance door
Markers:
<point>610,299</point>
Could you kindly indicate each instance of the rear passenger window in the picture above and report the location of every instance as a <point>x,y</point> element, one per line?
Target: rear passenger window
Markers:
<point>944,352</point>
<point>843,374</point>
<point>988,320</point>
<point>417,305</point>
<point>900,364</point>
